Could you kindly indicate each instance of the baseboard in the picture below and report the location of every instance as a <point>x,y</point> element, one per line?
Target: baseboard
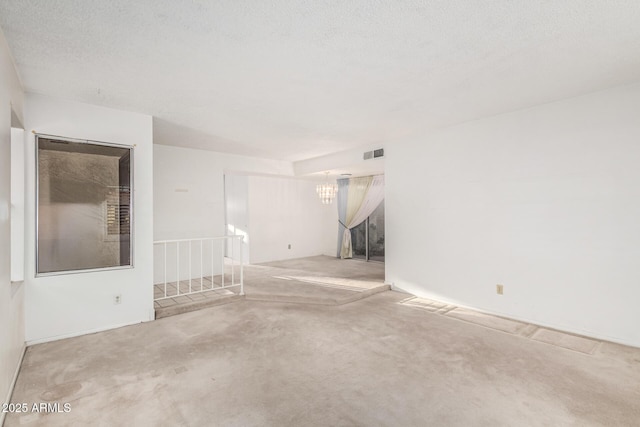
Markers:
<point>397,289</point>
<point>557,327</point>
<point>13,383</point>
<point>80,333</point>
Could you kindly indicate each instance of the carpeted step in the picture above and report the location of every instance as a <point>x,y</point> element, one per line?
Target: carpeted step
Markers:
<point>196,305</point>
<point>305,299</point>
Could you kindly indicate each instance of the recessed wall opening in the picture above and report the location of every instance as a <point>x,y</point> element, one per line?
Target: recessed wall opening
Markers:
<point>84,210</point>
<point>361,217</point>
<point>368,237</point>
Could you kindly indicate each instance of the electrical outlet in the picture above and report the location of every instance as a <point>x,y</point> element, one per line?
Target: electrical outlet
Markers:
<point>117,299</point>
<point>289,245</point>
<point>499,289</point>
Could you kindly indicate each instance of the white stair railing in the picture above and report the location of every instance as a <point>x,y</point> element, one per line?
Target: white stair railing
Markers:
<point>191,266</point>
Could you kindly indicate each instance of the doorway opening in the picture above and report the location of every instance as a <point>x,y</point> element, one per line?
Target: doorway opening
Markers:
<point>368,237</point>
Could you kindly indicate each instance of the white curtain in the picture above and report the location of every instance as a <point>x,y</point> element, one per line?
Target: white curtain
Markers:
<point>368,193</point>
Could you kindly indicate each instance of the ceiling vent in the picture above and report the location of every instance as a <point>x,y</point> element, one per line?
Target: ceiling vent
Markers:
<point>374,154</point>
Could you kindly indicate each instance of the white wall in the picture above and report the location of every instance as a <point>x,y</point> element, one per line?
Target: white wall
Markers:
<point>348,161</point>
<point>286,211</point>
<point>11,295</point>
<point>545,201</point>
<point>189,192</point>
<point>74,304</point>
<point>189,203</point>
<point>17,205</point>
<point>236,189</point>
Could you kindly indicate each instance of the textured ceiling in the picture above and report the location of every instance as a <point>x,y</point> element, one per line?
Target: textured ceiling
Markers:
<point>298,79</point>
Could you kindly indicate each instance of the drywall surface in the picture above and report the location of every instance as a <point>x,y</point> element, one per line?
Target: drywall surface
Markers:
<point>285,211</point>
<point>17,205</point>
<point>236,190</point>
<point>189,189</point>
<point>299,79</point>
<point>11,295</point>
<point>72,304</point>
<point>343,162</point>
<point>544,201</point>
<point>189,202</point>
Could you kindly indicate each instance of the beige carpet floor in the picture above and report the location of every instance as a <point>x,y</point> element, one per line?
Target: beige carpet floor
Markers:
<point>549,336</point>
<point>372,362</point>
<point>312,280</point>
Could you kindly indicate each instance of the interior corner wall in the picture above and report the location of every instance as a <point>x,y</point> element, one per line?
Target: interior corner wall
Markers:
<point>73,304</point>
<point>17,205</point>
<point>545,201</point>
<point>286,211</point>
<point>236,192</point>
<point>12,331</point>
<point>189,189</point>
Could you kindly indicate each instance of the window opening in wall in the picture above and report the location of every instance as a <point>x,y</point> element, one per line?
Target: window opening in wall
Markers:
<point>84,215</point>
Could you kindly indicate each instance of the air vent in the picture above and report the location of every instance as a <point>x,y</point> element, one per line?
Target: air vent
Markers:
<point>374,154</point>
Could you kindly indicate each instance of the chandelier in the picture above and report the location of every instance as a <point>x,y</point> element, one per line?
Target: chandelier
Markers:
<point>327,191</point>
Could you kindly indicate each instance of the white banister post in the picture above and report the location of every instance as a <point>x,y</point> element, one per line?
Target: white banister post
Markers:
<point>212,263</point>
<point>233,261</point>
<point>241,264</point>
<point>190,266</point>
<point>224,244</point>
<point>178,266</point>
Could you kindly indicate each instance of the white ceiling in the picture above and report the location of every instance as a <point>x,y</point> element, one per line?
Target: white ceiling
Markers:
<point>298,79</point>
